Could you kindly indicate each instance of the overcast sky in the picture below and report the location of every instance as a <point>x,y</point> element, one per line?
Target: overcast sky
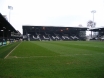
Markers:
<point>53,12</point>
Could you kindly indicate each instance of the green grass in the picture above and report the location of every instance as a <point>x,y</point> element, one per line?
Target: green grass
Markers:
<point>54,59</point>
<point>4,50</point>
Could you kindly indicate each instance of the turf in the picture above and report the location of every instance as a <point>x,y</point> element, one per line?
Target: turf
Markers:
<point>54,59</point>
<point>4,50</point>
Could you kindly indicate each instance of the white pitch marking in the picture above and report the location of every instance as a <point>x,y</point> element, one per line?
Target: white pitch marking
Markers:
<point>55,56</point>
<point>11,51</point>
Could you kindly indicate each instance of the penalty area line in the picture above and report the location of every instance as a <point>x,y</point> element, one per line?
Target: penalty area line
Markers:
<point>11,51</point>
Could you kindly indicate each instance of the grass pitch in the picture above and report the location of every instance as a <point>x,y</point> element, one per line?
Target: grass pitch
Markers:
<point>54,59</point>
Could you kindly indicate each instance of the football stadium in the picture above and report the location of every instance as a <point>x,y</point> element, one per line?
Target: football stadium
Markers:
<point>50,52</point>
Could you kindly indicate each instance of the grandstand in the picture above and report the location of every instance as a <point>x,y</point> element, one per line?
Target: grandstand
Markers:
<point>53,33</point>
<point>7,31</point>
<point>100,33</point>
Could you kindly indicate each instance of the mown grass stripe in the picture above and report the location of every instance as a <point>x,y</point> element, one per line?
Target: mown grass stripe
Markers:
<point>62,49</point>
<point>30,49</point>
<point>11,51</point>
<point>92,44</point>
<point>80,46</point>
<point>6,49</point>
